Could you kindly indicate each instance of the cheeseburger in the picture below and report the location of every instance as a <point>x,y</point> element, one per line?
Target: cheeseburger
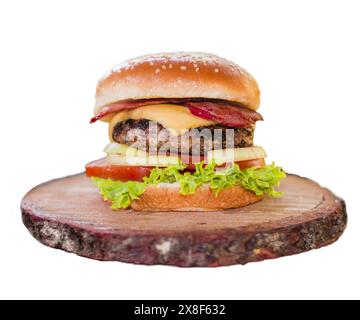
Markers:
<point>181,131</point>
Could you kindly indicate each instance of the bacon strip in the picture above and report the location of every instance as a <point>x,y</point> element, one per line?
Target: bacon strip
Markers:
<point>226,113</point>
<point>127,105</point>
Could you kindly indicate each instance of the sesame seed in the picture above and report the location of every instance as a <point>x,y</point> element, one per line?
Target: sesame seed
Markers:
<point>164,66</point>
<point>197,69</point>
<point>216,70</point>
<point>183,67</point>
<point>157,70</point>
<point>170,66</point>
<point>151,63</point>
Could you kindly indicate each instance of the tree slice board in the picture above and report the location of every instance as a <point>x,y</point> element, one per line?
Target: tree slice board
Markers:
<point>69,214</point>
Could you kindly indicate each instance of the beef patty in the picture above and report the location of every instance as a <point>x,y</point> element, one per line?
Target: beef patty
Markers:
<point>152,137</point>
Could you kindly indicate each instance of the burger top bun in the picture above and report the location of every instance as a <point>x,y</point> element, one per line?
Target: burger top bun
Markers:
<point>178,75</point>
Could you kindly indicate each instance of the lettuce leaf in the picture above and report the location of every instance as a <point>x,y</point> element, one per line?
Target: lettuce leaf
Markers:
<point>262,180</point>
<point>120,194</point>
<point>259,180</point>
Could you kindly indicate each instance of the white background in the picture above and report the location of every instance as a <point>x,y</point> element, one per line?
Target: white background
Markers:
<point>305,56</point>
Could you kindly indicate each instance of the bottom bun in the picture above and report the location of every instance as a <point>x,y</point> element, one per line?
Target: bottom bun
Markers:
<point>167,198</point>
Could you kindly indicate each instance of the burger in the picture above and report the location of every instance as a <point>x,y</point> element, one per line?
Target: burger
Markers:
<point>181,131</point>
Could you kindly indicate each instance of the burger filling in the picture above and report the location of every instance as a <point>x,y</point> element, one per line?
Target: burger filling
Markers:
<point>186,142</point>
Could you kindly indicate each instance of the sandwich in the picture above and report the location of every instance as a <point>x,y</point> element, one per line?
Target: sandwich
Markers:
<point>181,132</point>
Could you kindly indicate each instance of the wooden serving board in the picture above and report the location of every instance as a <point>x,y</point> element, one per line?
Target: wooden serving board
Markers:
<point>69,214</point>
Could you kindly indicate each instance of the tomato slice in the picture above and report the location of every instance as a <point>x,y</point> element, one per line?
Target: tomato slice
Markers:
<point>258,163</point>
<point>100,168</point>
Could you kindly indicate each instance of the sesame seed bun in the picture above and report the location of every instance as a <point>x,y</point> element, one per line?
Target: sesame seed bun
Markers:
<point>178,75</point>
<point>166,197</point>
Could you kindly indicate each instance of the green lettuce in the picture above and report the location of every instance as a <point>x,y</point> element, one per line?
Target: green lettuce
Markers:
<point>259,180</point>
<point>120,194</point>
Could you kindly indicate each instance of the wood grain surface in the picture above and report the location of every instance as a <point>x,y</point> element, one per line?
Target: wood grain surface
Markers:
<point>69,214</point>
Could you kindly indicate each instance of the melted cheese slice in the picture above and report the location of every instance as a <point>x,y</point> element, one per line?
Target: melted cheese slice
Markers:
<point>172,117</point>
